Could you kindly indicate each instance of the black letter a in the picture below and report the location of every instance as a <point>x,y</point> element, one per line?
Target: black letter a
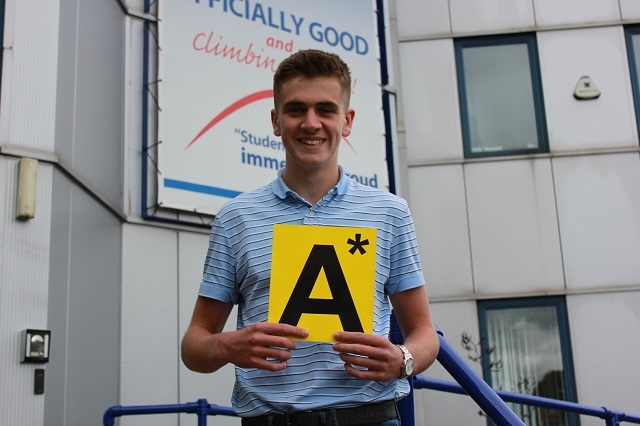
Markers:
<point>322,256</point>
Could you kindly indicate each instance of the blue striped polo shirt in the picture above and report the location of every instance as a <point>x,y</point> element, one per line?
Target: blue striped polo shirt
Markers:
<point>237,270</point>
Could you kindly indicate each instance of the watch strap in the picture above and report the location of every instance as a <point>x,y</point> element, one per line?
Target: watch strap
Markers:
<point>407,357</point>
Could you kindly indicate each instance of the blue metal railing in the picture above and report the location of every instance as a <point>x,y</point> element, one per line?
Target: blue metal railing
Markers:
<point>611,417</point>
<point>201,408</point>
<point>491,401</point>
<point>486,398</point>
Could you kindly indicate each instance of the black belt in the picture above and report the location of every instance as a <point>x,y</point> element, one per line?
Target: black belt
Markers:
<point>362,415</point>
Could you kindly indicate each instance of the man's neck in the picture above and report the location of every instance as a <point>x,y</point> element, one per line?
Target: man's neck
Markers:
<point>311,186</point>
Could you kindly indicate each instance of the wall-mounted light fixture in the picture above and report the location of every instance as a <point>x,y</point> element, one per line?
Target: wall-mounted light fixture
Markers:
<point>27,182</point>
<point>35,346</point>
<point>586,89</point>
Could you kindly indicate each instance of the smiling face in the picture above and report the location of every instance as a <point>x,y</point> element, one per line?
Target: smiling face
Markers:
<point>311,117</point>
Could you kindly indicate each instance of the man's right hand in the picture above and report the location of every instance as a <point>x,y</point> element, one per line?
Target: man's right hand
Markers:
<point>262,345</point>
<point>206,348</point>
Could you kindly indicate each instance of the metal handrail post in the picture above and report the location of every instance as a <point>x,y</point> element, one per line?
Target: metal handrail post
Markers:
<point>108,419</point>
<point>406,404</point>
<point>612,417</point>
<point>202,411</point>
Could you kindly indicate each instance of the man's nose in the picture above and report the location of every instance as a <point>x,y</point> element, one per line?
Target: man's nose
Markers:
<point>311,120</point>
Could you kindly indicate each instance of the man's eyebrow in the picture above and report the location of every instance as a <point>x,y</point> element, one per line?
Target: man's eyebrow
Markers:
<point>327,104</point>
<point>322,104</point>
<point>293,103</point>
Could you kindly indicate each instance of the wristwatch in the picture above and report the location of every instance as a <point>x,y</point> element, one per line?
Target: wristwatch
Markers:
<point>407,363</point>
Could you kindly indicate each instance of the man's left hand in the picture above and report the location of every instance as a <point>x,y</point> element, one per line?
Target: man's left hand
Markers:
<point>368,357</point>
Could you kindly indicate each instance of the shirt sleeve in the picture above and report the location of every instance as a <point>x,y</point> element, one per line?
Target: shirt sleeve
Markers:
<point>405,268</point>
<point>219,275</point>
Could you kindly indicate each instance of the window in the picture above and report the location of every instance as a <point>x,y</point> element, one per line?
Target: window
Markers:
<point>500,96</point>
<point>1,35</point>
<point>531,354</point>
<point>633,52</point>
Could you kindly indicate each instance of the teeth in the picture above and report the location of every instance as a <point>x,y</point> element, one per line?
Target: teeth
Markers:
<point>311,142</point>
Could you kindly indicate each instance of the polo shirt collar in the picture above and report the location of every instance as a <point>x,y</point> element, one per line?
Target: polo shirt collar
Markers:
<point>282,190</point>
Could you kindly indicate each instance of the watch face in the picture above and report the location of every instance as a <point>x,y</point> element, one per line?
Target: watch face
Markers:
<point>409,366</point>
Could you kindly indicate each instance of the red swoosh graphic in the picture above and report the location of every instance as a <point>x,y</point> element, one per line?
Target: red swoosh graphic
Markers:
<point>264,94</point>
<point>231,109</point>
<point>349,143</point>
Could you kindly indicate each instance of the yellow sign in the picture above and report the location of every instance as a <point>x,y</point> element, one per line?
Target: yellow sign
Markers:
<point>322,279</point>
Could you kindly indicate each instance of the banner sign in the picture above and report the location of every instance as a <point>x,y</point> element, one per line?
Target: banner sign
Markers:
<point>216,61</point>
<point>322,279</point>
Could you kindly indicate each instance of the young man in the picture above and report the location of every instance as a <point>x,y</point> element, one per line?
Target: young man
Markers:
<point>280,381</point>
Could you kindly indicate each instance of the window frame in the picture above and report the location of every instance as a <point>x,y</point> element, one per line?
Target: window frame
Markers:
<point>629,32</point>
<point>559,303</point>
<point>2,13</point>
<point>528,39</point>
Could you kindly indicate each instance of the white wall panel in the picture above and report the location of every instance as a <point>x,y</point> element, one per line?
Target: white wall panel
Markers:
<point>513,225</point>
<point>90,94</point>
<point>600,53</point>
<point>24,269</point>
<point>629,9</point>
<point>430,101</point>
<point>599,216</point>
<point>490,15</point>
<point>558,12</point>
<point>440,214</point>
<point>418,18</point>
<point>85,272</point>
<point>150,352</point>
<point>604,333</point>
<point>216,387</point>
<point>29,74</point>
<point>402,179</point>
<point>132,121</point>
<point>436,408</point>
<point>27,120</point>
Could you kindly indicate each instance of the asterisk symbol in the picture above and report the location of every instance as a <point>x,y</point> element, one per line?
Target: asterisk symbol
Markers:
<point>357,244</point>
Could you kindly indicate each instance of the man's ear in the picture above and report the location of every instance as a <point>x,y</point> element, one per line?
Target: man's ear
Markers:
<point>348,122</point>
<point>275,122</point>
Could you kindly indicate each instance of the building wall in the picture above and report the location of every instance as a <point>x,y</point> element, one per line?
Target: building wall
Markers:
<point>27,116</point>
<point>61,104</point>
<point>567,222</point>
<point>117,291</point>
<point>84,307</point>
<point>90,95</point>
<point>85,278</point>
<point>162,269</point>
<point>24,265</point>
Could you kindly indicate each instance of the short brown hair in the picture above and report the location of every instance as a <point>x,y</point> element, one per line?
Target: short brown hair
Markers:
<point>313,63</point>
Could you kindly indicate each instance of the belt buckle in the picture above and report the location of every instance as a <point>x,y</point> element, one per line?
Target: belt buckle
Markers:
<point>315,418</point>
<point>324,418</point>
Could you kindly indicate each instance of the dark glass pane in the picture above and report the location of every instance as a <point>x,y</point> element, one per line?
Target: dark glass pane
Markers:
<point>499,98</point>
<point>527,344</point>
<point>635,41</point>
